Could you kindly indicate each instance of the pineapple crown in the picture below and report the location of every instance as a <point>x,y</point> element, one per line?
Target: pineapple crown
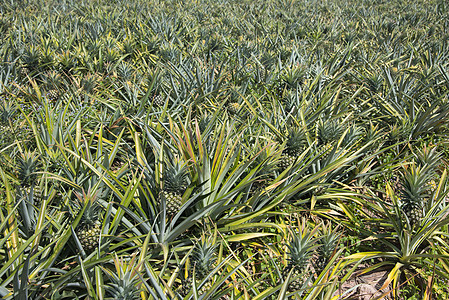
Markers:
<point>92,207</point>
<point>429,158</point>
<point>374,82</point>
<point>328,241</point>
<point>27,165</point>
<point>203,123</point>
<point>295,141</point>
<point>352,135</point>
<point>294,75</point>
<point>414,188</point>
<point>124,282</point>
<point>203,256</point>
<point>301,248</point>
<point>328,131</point>
<point>7,111</point>
<point>175,178</point>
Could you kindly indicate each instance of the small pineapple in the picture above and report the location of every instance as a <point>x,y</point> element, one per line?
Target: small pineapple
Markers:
<point>293,148</point>
<point>158,100</point>
<point>414,193</point>
<point>89,228</point>
<point>24,72</point>
<point>328,244</point>
<point>300,252</point>
<point>234,107</point>
<point>186,281</point>
<point>53,95</point>
<point>280,89</point>
<point>203,257</point>
<point>27,166</point>
<point>328,131</point>
<point>125,281</point>
<point>175,184</point>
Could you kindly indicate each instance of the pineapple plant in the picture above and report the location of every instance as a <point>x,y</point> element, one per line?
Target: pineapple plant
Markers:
<point>174,185</point>
<point>89,228</point>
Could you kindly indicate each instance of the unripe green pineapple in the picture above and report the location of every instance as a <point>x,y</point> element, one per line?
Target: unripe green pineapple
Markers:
<point>173,201</point>
<point>158,100</point>
<point>28,164</point>
<point>286,161</point>
<point>296,283</point>
<point>300,252</point>
<point>89,228</point>
<point>327,247</point>
<point>234,107</point>
<point>328,131</point>
<point>324,151</point>
<point>174,186</point>
<point>186,279</point>
<point>53,95</point>
<point>203,257</point>
<point>186,286</point>
<point>293,148</point>
<point>433,185</point>
<point>414,193</point>
<point>32,193</point>
<point>280,90</point>
<point>24,72</point>
<point>88,236</point>
<point>414,213</point>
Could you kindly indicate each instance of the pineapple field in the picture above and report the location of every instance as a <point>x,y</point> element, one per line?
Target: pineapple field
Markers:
<point>199,149</point>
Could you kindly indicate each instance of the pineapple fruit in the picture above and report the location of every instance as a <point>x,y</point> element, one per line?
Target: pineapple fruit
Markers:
<point>327,133</point>
<point>158,100</point>
<point>53,95</point>
<point>328,244</point>
<point>300,253</point>
<point>234,107</point>
<point>293,148</point>
<point>175,184</point>
<point>27,166</point>
<point>89,228</point>
<point>414,192</point>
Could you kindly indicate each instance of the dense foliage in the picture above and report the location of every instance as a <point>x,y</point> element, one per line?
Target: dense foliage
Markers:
<point>264,149</point>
